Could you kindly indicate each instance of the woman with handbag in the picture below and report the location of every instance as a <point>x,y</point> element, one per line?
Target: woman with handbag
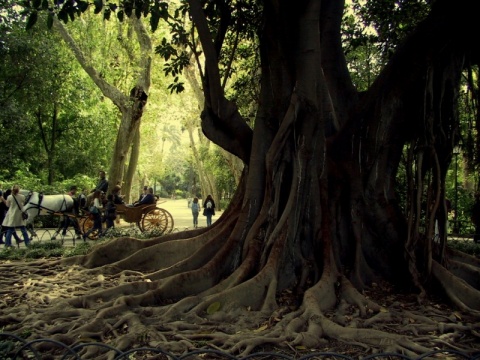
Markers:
<point>15,216</point>
<point>209,209</point>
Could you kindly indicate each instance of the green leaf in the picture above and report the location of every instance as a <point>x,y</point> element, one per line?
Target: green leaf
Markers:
<point>213,308</point>
<point>120,15</point>
<point>146,8</point>
<point>62,15</point>
<point>106,14</point>
<point>138,12</point>
<point>154,19</point>
<point>82,6</point>
<point>32,19</point>
<point>50,20</point>
<point>128,8</point>
<point>44,4</point>
<point>98,6</point>
<point>37,3</point>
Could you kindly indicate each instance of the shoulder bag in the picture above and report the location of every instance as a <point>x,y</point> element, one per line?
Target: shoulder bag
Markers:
<point>93,209</point>
<point>24,214</point>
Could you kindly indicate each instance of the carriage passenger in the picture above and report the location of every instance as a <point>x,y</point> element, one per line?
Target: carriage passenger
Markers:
<point>82,200</point>
<point>148,199</point>
<point>143,194</point>
<point>95,211</point>
<point>117,198</point>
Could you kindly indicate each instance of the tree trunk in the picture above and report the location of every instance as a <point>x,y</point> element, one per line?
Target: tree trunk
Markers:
<point>49,142</point>
<point>132,166</point>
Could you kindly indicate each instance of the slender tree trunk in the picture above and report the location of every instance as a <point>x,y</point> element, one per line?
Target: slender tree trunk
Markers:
<point>132,166</point>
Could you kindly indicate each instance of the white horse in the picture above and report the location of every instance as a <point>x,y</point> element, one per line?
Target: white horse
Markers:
<point>39,204</point>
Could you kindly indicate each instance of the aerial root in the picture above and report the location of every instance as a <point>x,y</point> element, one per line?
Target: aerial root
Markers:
<point>463,295</point>
<point>248,345</point>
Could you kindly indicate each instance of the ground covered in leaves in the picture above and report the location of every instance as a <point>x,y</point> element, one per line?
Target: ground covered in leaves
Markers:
<point>36,286</point>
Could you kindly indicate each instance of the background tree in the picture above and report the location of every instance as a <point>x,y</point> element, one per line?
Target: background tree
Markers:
<point>130,104</point>
<point>46,109</point>
<point>316,222</point>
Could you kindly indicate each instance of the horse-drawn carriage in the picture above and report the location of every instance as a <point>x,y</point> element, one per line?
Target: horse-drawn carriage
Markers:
<point>148,218</point>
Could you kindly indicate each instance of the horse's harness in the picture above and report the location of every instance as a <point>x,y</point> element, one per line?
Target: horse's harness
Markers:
<point>40,207</point>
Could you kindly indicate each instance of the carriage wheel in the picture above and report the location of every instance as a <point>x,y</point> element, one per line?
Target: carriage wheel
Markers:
<point>87,224</point>
<point>170,222</point>
<point>155,220</point>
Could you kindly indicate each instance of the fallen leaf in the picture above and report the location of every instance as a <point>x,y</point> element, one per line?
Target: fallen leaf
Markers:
<point>261,328</point>
<point>213,308</point>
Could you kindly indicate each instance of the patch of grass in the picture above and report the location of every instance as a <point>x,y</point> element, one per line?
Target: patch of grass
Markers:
<point>123,232</point>
<point>466,246</point>
<point>36,253</point>
<point>36,250</point>
<point>81,249</point>
<point>55,249</point>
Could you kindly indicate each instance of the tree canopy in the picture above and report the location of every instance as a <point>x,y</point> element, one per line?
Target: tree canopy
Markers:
<point>318,224</point>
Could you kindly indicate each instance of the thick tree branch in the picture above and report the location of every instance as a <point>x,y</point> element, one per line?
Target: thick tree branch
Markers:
<point>119,99</point>
<point>221,121</point>
<point>334,63</point>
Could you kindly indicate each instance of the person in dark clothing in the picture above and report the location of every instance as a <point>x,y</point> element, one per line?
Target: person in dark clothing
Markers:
<point>110,213</point>
<point>117,198</point>
<point>82,200</point>
<point>148,199</point>
<point>209,209</point>
<point>142,195</point>
<point>102,184</point>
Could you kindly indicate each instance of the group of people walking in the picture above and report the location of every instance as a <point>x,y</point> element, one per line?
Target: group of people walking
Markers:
<point>11,204</point>
<point>208,210</point>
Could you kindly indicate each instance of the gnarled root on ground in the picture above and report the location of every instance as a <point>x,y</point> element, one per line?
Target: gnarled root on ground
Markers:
<point>239,313</point>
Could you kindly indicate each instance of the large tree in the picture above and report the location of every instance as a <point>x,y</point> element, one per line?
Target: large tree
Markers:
<point>315,229</point>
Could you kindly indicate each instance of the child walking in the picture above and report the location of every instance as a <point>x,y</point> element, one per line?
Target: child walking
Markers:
<point>195,211</point>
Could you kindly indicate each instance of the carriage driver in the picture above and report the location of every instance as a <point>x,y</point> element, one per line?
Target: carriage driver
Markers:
<point>102,184</point>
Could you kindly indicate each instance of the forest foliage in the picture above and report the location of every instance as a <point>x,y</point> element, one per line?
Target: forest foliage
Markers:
<point>65,126</point>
